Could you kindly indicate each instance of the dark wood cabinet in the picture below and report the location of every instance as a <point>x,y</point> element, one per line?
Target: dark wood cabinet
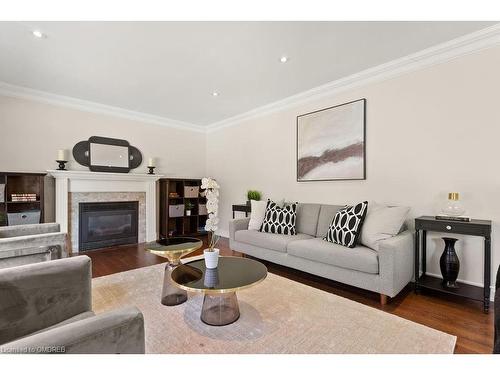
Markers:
<point>21,183</point>
<point>182,208</point>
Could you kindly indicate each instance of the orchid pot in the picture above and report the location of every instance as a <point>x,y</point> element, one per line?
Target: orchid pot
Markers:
<point>211,258</point>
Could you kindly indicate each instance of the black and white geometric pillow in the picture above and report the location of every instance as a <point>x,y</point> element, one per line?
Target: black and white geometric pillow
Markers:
<point>279,220</point>
<point>345,228</point>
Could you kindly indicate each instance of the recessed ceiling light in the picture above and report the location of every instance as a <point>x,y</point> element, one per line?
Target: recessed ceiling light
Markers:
<point>284,59</point>
<point>215,93</point>
<point>38,34</point>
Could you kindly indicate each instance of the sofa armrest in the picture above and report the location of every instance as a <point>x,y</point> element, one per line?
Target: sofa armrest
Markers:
<point>28,229</point>
<point>236,225</point>
<point>396,259</point>
<point>39,295</point>
<point>115,332</point>
<point>34,240</point>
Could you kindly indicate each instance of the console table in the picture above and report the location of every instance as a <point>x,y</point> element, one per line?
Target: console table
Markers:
<point>242,208</point>
<point>480,228</point>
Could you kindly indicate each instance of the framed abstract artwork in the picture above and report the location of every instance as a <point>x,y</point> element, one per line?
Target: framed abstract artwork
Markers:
<point>331,143</point>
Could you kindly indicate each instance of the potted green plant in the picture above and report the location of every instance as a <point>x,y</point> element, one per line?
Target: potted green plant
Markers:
<point>253,195</point>
<point>189,206</point>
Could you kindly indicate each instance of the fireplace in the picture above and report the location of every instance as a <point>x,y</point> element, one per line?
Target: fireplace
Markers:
<point>104,224</point>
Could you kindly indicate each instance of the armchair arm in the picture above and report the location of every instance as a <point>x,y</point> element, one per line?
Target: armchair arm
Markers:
<point>396,260</point>
<point>115,332</point>
<point>28,229</point>
<point>236,225</point>
<point>34,240</point>
<point>36,296</point>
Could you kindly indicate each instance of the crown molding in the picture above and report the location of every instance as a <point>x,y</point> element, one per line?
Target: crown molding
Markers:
<point>467,44</point>
<point>15,91</point>
<point>438,54</point>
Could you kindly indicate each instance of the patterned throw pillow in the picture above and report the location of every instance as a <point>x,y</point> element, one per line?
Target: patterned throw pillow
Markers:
<point>279,220</point>
<point>346,225</point>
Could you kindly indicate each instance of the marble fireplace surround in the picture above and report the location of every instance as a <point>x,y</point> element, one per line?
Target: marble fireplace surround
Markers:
<point>73,187</point>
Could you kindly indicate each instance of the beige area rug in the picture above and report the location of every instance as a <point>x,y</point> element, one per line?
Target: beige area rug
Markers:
<point>277,316</point>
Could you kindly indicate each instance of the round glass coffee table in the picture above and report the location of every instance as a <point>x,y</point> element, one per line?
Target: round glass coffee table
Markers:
<point>173,249</point>
<point>219,285</point>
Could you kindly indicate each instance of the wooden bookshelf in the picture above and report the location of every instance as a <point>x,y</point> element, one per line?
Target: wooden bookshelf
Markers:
<point>21,183</point>
<point>183,225</point>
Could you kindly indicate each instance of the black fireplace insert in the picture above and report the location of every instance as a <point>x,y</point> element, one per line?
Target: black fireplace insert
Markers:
<point>104,224</point>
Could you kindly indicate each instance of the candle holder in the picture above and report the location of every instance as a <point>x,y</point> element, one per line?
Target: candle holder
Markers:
<point>62,165</point>
<point>151,170</point>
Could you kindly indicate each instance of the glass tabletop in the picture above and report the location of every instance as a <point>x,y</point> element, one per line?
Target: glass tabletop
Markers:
<point>174,245</point>
<point>232,274</point>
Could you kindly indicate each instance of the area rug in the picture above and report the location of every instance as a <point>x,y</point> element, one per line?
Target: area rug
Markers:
<point>277,316</point>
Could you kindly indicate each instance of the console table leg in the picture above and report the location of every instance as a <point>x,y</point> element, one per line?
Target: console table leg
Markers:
<point>487,273</point>
<point>417,259</point>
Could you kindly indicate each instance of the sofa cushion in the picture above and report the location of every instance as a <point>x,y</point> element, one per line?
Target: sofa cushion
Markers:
<point>359,258</point>
<point>272,241</point>
<point>307,218</point>
<point>279,220</point>
<point>257,214</point>
<point>326,214</point>
<point>381,223</point>
<point>345,228</point>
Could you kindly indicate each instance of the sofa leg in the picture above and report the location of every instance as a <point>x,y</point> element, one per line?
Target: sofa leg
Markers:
<point>383,299</point>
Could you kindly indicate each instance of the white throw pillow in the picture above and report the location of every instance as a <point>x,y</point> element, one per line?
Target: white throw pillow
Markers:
<point>257,215</point>
<point>382,222</point>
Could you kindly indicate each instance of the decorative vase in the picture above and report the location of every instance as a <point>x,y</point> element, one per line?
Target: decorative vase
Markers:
<point>188,212</point>
<point>211,258</point>
<point>453,207</point>
<point>449,263</point>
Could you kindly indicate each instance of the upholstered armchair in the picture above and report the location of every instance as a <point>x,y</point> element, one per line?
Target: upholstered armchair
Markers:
<point>32,243</point>
<point>47,308</point>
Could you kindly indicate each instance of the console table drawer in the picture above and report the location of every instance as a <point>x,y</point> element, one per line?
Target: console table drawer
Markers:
<point>453,227</point>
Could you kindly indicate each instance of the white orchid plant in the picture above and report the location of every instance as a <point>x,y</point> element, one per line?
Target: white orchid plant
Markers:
<point>211,188</point>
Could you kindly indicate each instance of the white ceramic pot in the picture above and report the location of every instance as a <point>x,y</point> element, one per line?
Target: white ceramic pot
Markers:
<point>211,258</point>
<point>188,212</point>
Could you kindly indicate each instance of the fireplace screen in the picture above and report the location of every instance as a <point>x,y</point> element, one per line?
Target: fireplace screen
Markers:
<point>104,224</point>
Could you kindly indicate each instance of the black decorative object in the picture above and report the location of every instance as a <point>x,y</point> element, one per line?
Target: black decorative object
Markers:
<point>424,281</point>
<point>151,170</point>
<point>103,154</point>
<point>62,165</point>
<point>449,263</point>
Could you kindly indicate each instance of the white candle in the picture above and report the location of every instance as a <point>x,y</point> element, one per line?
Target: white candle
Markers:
<point>151,162</point>
<point>61,155</point>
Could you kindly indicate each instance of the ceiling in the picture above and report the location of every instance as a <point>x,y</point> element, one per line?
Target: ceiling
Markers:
<point>171,69</point>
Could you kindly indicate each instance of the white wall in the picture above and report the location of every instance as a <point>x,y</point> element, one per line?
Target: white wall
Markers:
<point>428,133</point>
<point>31,133</point>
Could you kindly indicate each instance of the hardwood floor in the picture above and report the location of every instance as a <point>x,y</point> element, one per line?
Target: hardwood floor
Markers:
<point>456,316</point>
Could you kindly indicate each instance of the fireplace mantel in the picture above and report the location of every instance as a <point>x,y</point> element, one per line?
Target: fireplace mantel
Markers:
<point>87,182</point>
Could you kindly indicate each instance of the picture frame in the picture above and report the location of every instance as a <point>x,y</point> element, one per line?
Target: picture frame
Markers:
<point>331,143</point>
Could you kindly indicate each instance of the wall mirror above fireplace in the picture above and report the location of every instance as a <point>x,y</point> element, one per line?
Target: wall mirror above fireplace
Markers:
<point>103,154</point>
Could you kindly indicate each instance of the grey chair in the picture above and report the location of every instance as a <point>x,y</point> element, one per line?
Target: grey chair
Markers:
<point>31,243</point>
<point>47,308</point>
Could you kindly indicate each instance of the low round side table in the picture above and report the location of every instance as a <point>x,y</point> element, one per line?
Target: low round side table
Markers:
<point>219,285</point>
<point>173,249</point>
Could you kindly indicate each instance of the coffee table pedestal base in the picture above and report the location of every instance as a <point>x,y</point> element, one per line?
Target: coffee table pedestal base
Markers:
<point>220,309</point>
<point>171,295</point>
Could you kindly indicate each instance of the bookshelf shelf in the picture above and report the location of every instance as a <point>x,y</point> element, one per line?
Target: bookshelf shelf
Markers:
<point>183,225</point>
<point>21,183</point>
